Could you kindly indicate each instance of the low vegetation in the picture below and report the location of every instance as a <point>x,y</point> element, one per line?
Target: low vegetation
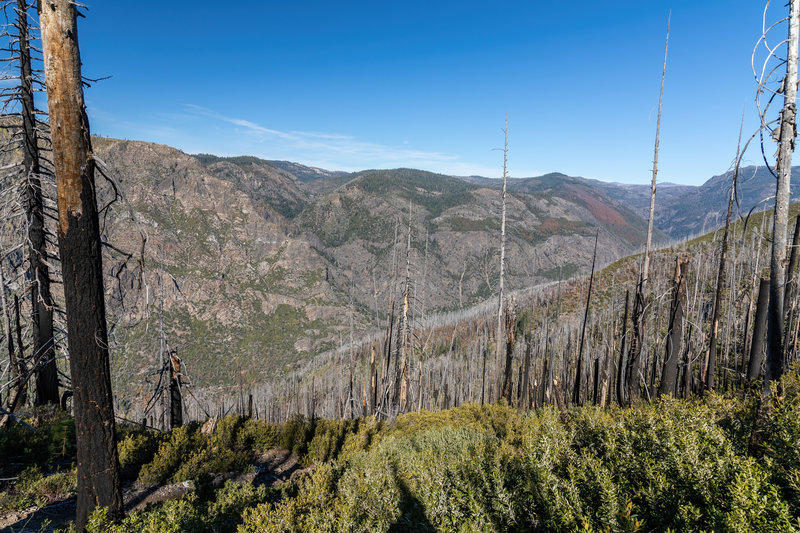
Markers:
<point>667,465</point>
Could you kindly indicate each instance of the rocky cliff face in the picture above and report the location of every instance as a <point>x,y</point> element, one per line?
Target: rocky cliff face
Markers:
<point>226,281</point>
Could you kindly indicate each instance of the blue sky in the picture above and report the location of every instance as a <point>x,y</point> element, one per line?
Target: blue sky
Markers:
<point>381,84</point>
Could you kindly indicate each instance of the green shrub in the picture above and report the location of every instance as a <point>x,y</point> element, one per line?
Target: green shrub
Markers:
<point>667,465</point>
<point>296,433</point>
<point>53,439</point>
<point>190,455</point>
<point>329,437</point>
<point>780,449</point>
<point>258,435</point>
<point>304,512</point>
<point>183,443</point>
<point>136,448</point>
<point>222,514</point>
<point>34,488</point>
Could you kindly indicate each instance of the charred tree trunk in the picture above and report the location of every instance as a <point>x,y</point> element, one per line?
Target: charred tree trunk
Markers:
<point>791,282</point>
<point>175,398</point>
<point>669,376</point>
<point>576,393</point>
<point>759,329</point>
<point>16,367</point>
<point>385,378</point>
<point>632,389</point>
<point>41,299</point>
<point>485,352</point>
<point>79,244</point>
<point>621,366</point>
<point>711,358</point>
<point>791,289</point>
<point>509,350</point>
<point>542,396</point>
<point>372,382</point>
<point>788,133</point>
<point>18,329</point>
<point>525,390</point>
<point>351,400</point>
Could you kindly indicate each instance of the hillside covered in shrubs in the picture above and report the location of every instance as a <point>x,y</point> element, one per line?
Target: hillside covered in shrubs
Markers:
<point>680,465</point>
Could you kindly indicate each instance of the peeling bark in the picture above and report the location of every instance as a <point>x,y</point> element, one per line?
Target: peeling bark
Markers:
<point>79,244</point>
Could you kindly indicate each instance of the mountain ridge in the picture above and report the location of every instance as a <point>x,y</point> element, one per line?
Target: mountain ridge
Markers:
<point>256,270</point>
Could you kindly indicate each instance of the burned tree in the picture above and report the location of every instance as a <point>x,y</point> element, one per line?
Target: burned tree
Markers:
<point>669,374</point>
<point>41,298</point>
<point>176,394</point>
<point>80,247</point>
<point>634,365</point>
<point>711,355</point>
<point>787,132</point>
<point>760,327</point>
<point>646,263</point>
<point>576,391</point>
<point>499,348</point>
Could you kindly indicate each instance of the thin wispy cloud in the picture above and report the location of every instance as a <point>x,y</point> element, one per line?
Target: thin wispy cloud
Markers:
<point>338,151</point>
<point>252,126</point>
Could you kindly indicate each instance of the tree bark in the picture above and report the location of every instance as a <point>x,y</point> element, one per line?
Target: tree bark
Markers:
<point>80,247</point>
<point>757,346</point>
<point>509,351</point>
<point>576,393</point>
<point>788,132</point>
<point>372,383</point>
<point>386,378</point>
<point>669,376</point>
<point>175,396</point>
<point>621,367</point>
<point>41,298</point>
<point>499,345</point>
<point>406,340</point>
<point>791,282</point>
<point>16,367</point>
<point>632,377</point>
<point>632,366</point>
<point>646,263</point>
<point>711,357</point>
<point>525,389</point>
<point>791,290</point>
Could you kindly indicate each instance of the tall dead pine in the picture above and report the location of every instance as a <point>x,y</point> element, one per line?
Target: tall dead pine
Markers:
<point>633,371</point>
<point>788,132</point>
<point>646,263</point>
<point>80,247</point>
<point>41,298</point>
<point>499,344</point>
<point>406,338</point>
